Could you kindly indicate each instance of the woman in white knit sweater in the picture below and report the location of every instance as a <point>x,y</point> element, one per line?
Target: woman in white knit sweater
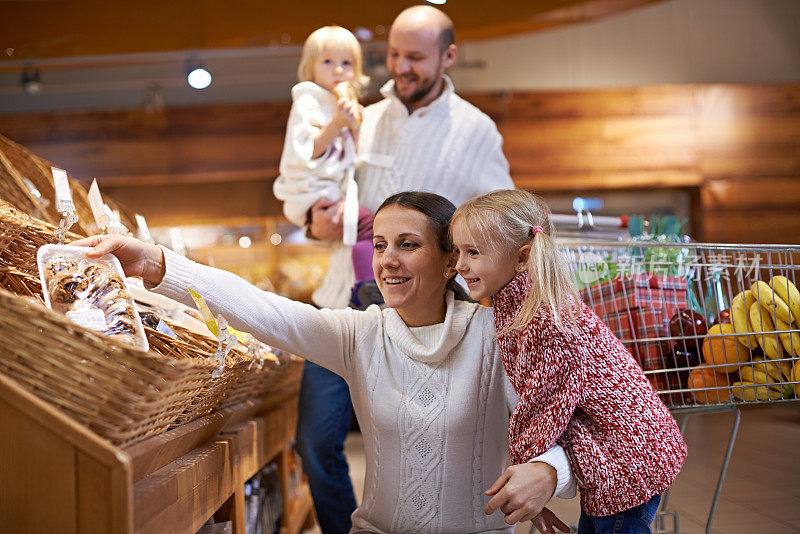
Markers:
<point>428,387</point>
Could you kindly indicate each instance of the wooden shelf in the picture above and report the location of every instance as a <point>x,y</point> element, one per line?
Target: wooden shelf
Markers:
<point>173,482</point>
<point>300,507</point>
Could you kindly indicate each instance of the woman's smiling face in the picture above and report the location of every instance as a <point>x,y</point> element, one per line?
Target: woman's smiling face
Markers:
<point>409,266</point>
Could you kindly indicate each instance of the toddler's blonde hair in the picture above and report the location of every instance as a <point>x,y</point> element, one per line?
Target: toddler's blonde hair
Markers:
<point>317,41</point>
<point>504,221</point>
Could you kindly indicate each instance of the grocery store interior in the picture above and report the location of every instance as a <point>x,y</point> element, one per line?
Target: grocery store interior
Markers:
<point>673,124</point>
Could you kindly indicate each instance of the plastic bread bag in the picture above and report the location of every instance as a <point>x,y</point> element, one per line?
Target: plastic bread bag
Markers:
<point>91,292</point>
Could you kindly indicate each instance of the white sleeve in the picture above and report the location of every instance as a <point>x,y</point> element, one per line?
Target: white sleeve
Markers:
<point>512,399</point>
<point>324,336</point>
<point>566,488</point>
<point>494,172</point>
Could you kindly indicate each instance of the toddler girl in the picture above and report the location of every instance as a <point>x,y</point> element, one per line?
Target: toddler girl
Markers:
<point>578,385</point>
<point>320,146</point>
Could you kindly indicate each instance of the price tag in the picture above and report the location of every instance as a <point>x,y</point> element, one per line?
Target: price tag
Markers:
<point>98,208</point>
<point>64,203</point>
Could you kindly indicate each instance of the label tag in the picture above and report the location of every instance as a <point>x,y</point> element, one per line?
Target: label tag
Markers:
<point>164,329</point>
<point>93,319</point>
<point>143,231</point>
<point>208,317</point>
<point>350,217</point>
<point>211,323</point>
<point>98,208</point>
<point>64,203</point>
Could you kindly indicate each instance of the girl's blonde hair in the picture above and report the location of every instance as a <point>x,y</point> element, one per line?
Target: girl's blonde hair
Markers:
<point>504,220</point>
<point>317,41</point>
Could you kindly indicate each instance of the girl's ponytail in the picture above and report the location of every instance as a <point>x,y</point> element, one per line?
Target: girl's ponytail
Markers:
<point>550,283</point>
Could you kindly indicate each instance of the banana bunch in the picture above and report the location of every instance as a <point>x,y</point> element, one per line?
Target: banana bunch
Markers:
<point>761,380</point>
<point>750,392</point>
<point>756,315</point>
<point>768,307</point>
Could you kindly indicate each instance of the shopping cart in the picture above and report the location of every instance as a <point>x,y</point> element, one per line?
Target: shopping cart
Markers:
<point>714,326</point>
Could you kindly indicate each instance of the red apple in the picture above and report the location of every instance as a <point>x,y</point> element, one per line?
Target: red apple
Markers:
<point>724,317</point>
<point>684,325</point>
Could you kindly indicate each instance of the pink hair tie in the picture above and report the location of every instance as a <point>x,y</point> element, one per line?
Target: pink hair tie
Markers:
<point>534,230</point>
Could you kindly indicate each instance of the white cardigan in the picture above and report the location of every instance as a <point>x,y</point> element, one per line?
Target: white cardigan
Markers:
<point>448,147</point>
<point>434,420</point>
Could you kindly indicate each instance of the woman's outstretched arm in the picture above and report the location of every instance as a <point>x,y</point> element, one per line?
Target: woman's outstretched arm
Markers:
<point>326,337</point>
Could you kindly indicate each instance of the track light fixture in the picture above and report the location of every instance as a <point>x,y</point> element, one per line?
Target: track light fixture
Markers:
<point>31,80</point>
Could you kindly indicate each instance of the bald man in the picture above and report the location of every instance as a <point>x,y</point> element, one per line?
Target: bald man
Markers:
<point>422,136</point>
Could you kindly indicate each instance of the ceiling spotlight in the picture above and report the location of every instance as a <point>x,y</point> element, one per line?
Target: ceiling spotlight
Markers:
<point>31,81</point>
<point>245,242</point>
<point>437,2</point>
<point>197,76</point>
<point>363,34</point>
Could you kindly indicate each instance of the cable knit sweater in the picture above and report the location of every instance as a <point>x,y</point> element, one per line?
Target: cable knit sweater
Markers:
<point>433,413</point>
<point>448,147</point>
<point>583,390</point>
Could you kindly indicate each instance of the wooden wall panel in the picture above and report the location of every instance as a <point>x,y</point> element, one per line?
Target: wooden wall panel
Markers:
<point>737,147</point>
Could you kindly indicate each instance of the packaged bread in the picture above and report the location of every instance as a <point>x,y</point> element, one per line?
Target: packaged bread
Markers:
<point>91,292</point>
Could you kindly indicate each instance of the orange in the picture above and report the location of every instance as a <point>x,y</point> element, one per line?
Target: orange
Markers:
<point>724,351</point>
<point>702,377</point>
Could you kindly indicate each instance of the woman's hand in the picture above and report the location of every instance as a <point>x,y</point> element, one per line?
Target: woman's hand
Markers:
<point>136,257</point>
<point>547,520</point>
<point>522,491</point>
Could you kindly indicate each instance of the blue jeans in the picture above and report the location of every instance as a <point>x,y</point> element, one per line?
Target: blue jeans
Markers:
<point>322,425</point>
<point>636,520</point>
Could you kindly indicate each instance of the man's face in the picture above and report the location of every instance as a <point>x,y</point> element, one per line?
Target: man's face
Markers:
<point>416,63</point>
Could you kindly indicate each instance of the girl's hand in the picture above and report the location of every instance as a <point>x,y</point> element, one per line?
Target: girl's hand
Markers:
<point>547,520</point>
<point>522,491</point>
<point>347,114</point>
<point>136,257</point>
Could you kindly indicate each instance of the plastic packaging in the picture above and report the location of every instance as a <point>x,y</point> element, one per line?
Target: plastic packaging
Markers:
<point>91,292</point>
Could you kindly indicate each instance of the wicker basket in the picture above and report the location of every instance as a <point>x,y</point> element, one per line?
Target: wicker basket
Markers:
<point>122,394</point>
<point>22,237</point>
<point>21,283</point>
<point>209,396</point>
<point>18,163</point>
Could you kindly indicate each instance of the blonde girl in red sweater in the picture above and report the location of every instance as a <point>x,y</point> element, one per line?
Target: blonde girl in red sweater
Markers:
<point>578,385</point>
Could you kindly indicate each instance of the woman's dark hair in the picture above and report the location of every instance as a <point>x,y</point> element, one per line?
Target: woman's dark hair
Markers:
<point>439,211</point>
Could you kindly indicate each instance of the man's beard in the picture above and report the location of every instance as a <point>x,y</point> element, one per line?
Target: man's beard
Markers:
<point>419,94</point>
<point>425,88</point>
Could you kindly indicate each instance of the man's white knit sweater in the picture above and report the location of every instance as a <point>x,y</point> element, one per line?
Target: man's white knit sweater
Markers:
<point>448,147</point>
<point>433,408</point>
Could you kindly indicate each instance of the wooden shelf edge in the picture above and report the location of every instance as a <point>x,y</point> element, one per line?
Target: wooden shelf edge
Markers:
<point>154,453</point>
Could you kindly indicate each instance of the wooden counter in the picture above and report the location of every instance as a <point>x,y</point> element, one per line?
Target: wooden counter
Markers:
<point>58,476</point>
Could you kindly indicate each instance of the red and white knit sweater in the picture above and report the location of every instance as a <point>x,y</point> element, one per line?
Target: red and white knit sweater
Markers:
<point>583,390</point>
